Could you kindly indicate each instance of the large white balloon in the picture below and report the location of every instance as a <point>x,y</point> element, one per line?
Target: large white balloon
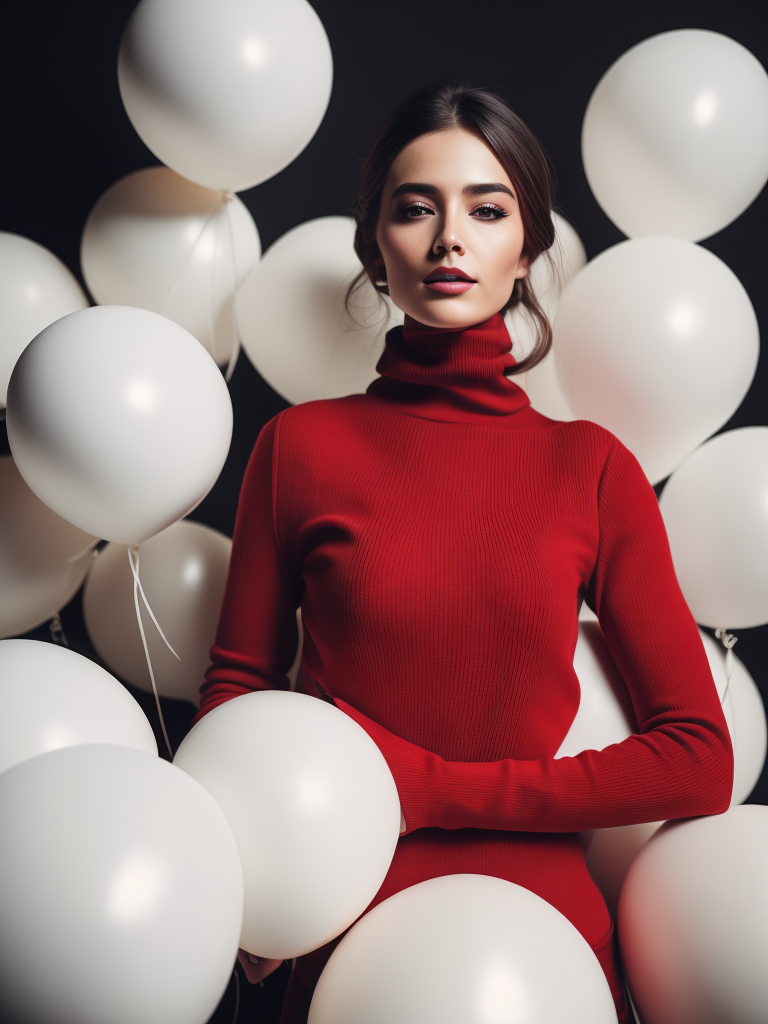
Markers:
<point>226,92</point>
<point>35,289</point>
<point>121,890</point>
<point>183,572</point>
<point>716,514</point>
<point>609,852</point>
<point>291,317</point>
<point>656,340</point>
<point>158,241</point>
<point>313,807</point>
<point>40,570</point>
<point>52,698</point>
<point>745,716</point>
<point>548,279</point>
<point>605,713</point>
<point>463,949</point>
<point>119,421</point>
<point>692,921</point>
<point>750,735</point>
<point>675,136</point>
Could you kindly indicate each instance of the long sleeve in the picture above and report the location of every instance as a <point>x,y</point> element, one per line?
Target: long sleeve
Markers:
<point>680,763</point>
<point>257,635</point>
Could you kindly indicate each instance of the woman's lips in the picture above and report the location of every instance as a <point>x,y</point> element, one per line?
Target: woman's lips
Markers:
<point>450,287</point>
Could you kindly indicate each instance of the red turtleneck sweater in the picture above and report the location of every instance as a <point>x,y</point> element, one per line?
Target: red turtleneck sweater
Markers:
<point>439,535</point>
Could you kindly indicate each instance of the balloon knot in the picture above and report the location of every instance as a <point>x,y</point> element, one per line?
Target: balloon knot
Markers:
<point>55,628</point>
<point>727,639</point>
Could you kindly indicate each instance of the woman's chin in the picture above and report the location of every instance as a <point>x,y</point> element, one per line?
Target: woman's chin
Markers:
<point>451,312</point>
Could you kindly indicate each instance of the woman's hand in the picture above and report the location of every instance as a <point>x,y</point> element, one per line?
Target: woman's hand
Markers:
<point>256,968</point>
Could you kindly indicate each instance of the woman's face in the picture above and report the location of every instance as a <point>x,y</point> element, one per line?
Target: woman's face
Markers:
<point>448,208</point>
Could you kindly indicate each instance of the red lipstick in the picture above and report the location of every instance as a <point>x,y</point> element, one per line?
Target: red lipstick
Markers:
<point>449,281</point>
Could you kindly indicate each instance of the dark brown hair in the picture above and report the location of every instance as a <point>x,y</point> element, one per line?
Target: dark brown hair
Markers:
<point>438,106</point>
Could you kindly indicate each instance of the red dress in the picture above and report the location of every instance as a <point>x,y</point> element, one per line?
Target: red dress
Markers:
<point>439,535</point>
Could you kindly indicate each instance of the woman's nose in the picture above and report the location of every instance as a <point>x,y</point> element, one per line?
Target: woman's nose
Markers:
<point>447,240</point>
<point>442,246</point>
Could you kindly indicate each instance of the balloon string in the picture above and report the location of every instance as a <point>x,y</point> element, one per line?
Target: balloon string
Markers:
<point>212,290</point>
<point>235,278</point>
<point>137,581</point>
<point>86,551</point>
<point>237,996</point>
<point>136,587</point>
<point>728,640</point>
<point>180,276</point>
<point>635,1014</point>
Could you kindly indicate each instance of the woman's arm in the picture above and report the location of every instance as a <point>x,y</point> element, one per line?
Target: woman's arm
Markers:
<point>680,764</point>
<point>257,634</point>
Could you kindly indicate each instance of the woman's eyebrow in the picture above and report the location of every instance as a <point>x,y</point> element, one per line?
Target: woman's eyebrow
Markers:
<point>414,186</point>
<point>423,189</point>
<point>485,188</point>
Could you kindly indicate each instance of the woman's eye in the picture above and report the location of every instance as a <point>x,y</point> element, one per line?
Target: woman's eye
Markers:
<point>415,211</point>
<point>489,212</point>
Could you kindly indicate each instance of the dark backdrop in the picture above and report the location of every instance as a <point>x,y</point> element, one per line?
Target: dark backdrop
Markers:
<point>66,138</point>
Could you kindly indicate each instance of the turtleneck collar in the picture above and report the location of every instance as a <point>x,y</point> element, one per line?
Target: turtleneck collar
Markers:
<point>450,375</point>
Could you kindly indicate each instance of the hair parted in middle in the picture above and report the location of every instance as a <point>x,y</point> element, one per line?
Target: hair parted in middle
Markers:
<point>443,106</point>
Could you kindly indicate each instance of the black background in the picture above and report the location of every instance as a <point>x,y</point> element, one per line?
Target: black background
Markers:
<point>65,138</point>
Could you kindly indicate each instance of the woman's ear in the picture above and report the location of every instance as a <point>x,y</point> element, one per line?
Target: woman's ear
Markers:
<point>523,266</point>
<point>379,269</point>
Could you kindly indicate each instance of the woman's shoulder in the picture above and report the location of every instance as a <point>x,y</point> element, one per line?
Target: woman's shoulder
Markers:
<point>315,430</point>
<point>575,433</point>
<point>583,448</point>
<point>308,418</point>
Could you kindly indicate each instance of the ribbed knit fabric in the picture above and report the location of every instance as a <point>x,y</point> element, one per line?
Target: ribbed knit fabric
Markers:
<point>439,535</point>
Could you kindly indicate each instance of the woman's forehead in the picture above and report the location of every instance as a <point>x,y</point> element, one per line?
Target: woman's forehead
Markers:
<point>449,159</point>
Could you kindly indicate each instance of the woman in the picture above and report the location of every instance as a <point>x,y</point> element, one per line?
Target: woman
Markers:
<point>440,535</point>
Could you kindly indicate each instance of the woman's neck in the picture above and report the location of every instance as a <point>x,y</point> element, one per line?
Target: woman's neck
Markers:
<point>450,374</point>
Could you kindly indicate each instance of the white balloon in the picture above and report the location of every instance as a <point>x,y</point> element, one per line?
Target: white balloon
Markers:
<point>715,656</point>
<point>35,289</point>
<point>675,138</point>
<point>158,241</point>
<point>609,853</point>
<point>53,698</point>
<point>119,421</point>
<point>749,736</point>
<point>745,716</point>
<point>121,890</point>
<point>183,572</point>
<point>548,279</point>
<point>692,921</point>
<point>291,317</point>
<point>226,92</point>
<point>656,340</point>
<point>37,577</point>
<point>463,949</point>
<point>716,514</point>
<point>605,714</point>
<point>313,807</point>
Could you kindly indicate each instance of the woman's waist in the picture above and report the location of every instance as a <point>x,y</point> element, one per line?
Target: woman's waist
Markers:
<point>551,865</point>
<point>458,727</point>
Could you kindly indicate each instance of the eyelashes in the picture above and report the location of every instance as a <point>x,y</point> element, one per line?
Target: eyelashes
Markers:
<point>489,211</point>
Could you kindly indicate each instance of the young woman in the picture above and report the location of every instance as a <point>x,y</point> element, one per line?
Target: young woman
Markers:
<point>440,535</point>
